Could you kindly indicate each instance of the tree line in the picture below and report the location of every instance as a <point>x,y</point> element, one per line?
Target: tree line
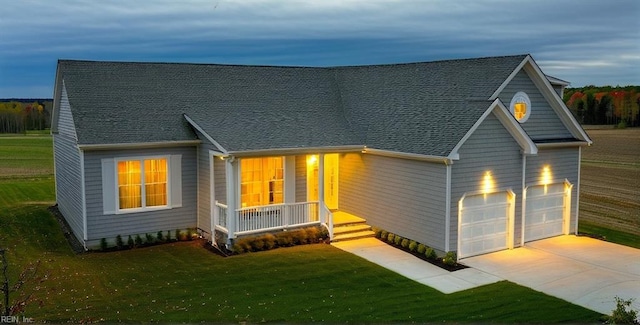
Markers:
<point>605,105</point>
<point>20,115</point>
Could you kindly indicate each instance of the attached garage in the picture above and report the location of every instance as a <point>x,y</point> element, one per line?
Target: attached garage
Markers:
<point>547,211</point>
<point>485,223</point>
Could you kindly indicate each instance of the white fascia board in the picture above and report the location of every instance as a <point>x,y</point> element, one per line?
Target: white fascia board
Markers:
<point>56,101</point>
<point>512,125</point>
<point>541,81</point>
<point>138,145</point>
<point>201,130</point>
<point>562,144</point>
<point>510,77</point>
<point>509,123</point>
<point>406,155</point>
<point>296,151</point>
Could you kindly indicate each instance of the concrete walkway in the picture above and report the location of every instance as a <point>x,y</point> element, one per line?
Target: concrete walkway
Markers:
<point>584,271</point>
<point>414,268</point>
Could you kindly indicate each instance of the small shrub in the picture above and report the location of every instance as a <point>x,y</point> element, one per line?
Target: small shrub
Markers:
<point>177,234</point>
<point>383,234</point>
<point>397,240</point>
<point>413,245</point>
<point>269,241</point>
<point>623,314</point>
<point>192,234</point>
<point>160,237</point>
<point>450,258</point>
<point>376,231</point>
<point>168,238</point>
<point>130,242</point>
<point>313,235</point>
<point>237,248</point>
<point>421,248</point>
<point>324,233</point>
<point>138,240</point>
<point>390,238</point>
<point>183,235</point>
<point>404,243</point>
<point>119,242</point>
<point>430,253</point>
<point>103,244</point>
<point>149,239</point>
<point>257,244</point>
<point>284,239</point>
<point>300,237</point>
<point>622,125</point>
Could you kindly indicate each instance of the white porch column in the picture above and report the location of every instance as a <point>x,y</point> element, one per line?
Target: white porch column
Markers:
<point>232,166</point>
<point>321,188</point>
<point>289,179</point>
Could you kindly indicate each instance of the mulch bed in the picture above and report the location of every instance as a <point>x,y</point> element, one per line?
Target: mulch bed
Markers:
<point>437,262</point>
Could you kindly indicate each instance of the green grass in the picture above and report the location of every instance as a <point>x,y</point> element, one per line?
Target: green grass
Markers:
<point>614,236</point>
<point>26,156</point>
<point>183,282</point>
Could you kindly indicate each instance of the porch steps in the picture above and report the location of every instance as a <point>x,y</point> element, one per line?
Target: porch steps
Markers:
<point>347,227</point>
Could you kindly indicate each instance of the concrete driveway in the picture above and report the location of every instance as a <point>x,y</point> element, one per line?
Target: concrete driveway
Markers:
<point>581,270</point>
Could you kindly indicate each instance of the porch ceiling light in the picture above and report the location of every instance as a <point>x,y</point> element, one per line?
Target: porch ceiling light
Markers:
<point>312,160</point>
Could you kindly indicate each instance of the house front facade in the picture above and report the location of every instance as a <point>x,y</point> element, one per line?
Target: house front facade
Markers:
<point>472,156</point>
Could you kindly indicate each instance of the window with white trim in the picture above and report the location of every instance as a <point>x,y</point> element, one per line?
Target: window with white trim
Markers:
<point>520,106</point>
<point>136,184</point>
<point>262,181</point>
<point>142,183</point>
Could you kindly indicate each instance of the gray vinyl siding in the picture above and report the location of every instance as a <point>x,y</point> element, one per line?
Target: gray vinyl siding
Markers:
<point>220,180</point>
<point>68,175</point>
<point>563,164</point>
<point>109,226</point>
<point>490,148</point>
<point>543,123</point>
<point>301,178</point>
<point>406,197</point>
<point>204,187</point>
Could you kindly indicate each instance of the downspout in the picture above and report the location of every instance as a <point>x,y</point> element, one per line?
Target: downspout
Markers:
<point>447,220</point>
<point>84,199</point>
<point>578,187</point>
<point>524,202</point>
<point>232,181</point>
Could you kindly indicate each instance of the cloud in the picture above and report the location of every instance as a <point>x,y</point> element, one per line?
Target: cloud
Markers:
<point>586,38</point>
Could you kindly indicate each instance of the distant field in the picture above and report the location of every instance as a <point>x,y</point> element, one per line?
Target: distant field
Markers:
<point>26,156</point>
<point>26,169</point>
<point>610,180</point>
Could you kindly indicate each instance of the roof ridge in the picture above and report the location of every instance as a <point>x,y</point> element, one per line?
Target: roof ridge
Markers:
<point>329,67</point>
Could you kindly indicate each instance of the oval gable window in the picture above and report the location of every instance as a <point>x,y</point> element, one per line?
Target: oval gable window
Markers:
<point>520,106</point>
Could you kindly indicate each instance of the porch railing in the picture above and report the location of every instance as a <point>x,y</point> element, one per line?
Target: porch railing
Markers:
<point>267,217</point>
<point>223,218</point>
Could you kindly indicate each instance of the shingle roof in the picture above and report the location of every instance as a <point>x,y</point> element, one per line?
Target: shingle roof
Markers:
<point>423,108</point>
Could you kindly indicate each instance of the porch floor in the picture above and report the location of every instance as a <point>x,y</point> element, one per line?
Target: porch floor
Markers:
<point>343,218</point>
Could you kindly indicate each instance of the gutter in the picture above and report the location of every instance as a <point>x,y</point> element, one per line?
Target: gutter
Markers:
<point>139,145</point>
<point>296,151</point>
<point>562,144</point>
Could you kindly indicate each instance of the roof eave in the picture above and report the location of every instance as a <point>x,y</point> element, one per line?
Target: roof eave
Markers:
<point>296,151</point>
<point>138,145</point>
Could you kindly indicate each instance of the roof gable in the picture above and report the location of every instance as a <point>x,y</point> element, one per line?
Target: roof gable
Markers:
<point>551,96</point>
<point>508,121</point>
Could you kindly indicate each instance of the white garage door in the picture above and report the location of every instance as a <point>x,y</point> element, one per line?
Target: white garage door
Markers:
<point>544,212</point>
<point>484,223</point>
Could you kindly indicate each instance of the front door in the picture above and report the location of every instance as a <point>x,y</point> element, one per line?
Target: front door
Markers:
<point>331,181</point>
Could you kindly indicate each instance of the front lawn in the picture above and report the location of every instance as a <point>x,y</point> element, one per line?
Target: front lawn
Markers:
<point>183,282</point>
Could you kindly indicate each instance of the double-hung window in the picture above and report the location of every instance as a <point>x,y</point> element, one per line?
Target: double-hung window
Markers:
<point>136,184</point>
<point>142,183</point>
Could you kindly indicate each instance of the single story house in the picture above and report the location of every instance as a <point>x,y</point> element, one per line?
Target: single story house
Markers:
<point>472,155</point>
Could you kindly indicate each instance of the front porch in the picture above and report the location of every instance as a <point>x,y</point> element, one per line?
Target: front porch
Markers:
<point>281,217</point>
